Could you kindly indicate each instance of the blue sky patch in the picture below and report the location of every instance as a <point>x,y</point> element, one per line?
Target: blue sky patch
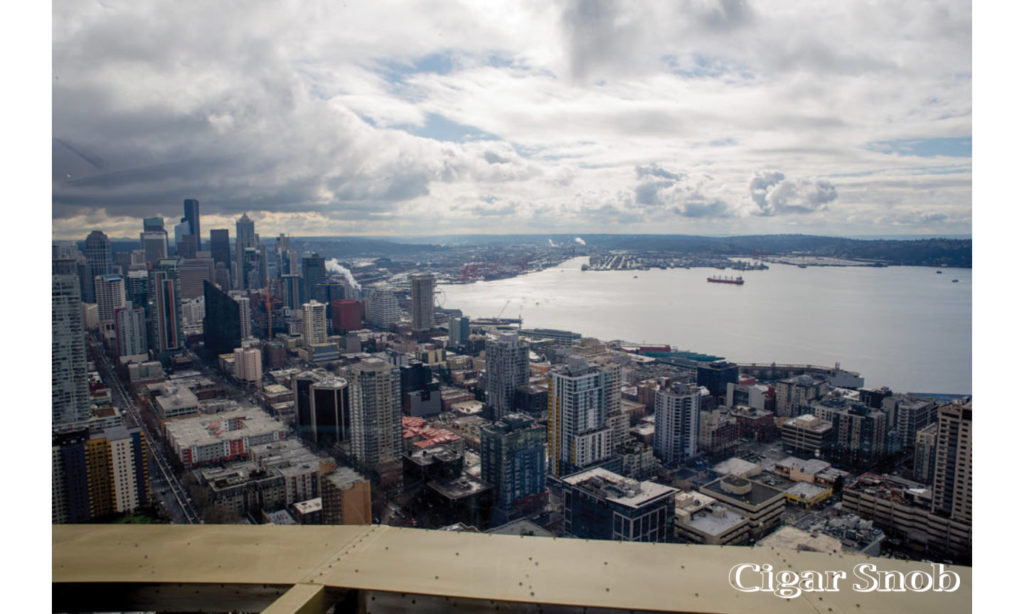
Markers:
<point>956,147</point>
<point>441,128</point>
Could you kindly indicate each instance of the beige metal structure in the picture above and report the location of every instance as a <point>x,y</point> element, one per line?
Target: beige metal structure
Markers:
<point>309,568</point>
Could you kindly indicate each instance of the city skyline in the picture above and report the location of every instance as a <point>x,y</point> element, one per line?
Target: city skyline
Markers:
<point>705,117</point>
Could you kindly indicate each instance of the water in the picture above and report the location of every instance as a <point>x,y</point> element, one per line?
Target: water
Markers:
<point>902,327</point>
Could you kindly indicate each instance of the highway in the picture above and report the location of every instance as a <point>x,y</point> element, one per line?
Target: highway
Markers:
<point>124,400</point>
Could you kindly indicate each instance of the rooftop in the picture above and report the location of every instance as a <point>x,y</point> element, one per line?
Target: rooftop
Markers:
<point>715,520</point>
<point>758,494</point>
<point>226,426</point>
<point>737,466</point>
<point>616,488</point>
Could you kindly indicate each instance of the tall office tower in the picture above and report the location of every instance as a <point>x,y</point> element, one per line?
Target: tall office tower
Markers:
<point>376,410</point>
<point>244,316</point>
<point>346,315</point>
<point>154,246</point>
<point>222,275</point>
<point>136,288</point>
<point>193,272</point>
<point>578,435</point>
<point>254,267</point>
<point>458,330</point>
<point>512,461</point>
<point>165,312</point>
<point>98,474</point>
<point>600,504</point>
<point>97,259</point>
<point>130,327</point>
<point>222,327</point>
<point>314,275</point>
<point>220,247</point>
<point>69,367</point>
<point>110,295</point>
<point>421,309</point>
<point>184,243</point>
<point>291,290</point>
<point>314,323</point>
<point>191,209</point>
<point>382,308</point>
<point>245,236</point>
<point>951,488</point>
<point>676,422</point>
<point>508,368</point>
<point>330,411</point>
<point>153,224</point>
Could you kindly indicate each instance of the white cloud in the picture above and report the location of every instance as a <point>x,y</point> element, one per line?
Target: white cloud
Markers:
<point>347,118</point>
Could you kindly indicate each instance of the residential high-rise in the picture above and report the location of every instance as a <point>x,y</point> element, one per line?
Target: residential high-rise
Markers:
<point>249,365</point>
<point>578,435</point>
<point>222,327</point>
<point>676,422</point>
<point>951,488</point>
<point>244,315</point>
<point>512,461</point>
<point>314,276</point>
<point>98,474</point>
<point>191,206</point>
<point>68,367</point>
<point>98,261</point>
<point>136,288</point>
<point>130,329</point>
<point>314,323</point>
<point>458,331</point>
<point>110,295</point>
<point>508,368</point>
<point>165,311</point>
<point>382,308</point>
<point>193,272</point>
<point>245,237</point>
<point>376,410</point>
<point>421,309</point>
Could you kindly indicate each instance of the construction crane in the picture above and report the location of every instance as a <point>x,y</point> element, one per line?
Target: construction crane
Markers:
<point>498,317</point>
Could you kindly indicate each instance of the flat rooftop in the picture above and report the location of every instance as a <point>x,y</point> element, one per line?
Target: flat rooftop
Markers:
<point>715,520</point>
<point>226,426</point>
<point>758,495</point>
<point>618,489</point>
<point>737,466</point>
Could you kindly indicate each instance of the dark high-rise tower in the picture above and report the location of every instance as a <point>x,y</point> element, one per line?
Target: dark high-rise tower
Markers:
<point>220,246</point>
<point>98,262</point>
<point>192,217</point>
<point>222,324</point>
<point>314,276</point>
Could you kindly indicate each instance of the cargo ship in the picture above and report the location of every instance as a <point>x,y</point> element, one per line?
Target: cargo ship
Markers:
<point>726,280</point>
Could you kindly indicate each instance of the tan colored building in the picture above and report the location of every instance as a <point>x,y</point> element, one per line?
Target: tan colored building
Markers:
<point>806,433</point>
<point>345,496</point>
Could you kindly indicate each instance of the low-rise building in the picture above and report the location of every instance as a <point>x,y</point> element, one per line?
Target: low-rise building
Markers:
<point>762,504</point>
<point>172,401</point>
<point>701,519</point>
<point>600,504</point>
<point>806,433</point>
<point>345,496</point>
<point>807,495</point>
<point>221,437</point>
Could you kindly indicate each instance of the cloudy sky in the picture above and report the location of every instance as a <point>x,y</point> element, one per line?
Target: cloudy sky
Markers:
<point>387,118</point>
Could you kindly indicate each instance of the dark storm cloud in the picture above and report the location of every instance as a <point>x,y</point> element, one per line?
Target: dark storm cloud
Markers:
<point>776,195</point>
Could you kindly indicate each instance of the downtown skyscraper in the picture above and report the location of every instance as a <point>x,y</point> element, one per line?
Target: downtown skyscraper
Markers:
<point>676,422</point>
<point>421,309</point>
<point>245,237</point>
<point>69,367</point>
